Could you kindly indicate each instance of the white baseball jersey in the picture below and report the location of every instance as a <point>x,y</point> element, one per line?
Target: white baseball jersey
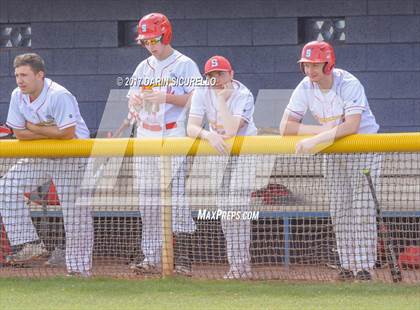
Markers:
<point>240,103</point>
<point>153,72</point>
<point>54,106</point>
<point>346,97</point>
<point>234,192</point>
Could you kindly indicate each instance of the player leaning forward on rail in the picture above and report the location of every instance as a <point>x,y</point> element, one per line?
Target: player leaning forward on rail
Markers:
<point>337,100</point>
<point>42,109</point>
<point>228,106</point>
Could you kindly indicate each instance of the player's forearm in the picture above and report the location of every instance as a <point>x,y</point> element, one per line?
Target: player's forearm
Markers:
<point>230,123</point>
<point>304,130</point>
<point>53,132</point>
<point>291,128</point>
<point>337,132</point>
<point>178,100</point>
<point>345,129</point>
<point>25,134</point>
<point>195,131</point>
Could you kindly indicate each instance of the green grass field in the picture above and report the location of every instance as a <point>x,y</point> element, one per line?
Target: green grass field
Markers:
<point>180,293</point>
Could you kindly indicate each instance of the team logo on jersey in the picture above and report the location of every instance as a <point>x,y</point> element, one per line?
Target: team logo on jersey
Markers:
<point>143,28</point>
<point>308,53</point>
<point>49,122</point>
<point>323,120</point>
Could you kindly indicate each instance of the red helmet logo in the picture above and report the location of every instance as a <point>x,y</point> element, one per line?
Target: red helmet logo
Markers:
<point>154,25</point>
<point>143,28</point>
<point>318,52</point>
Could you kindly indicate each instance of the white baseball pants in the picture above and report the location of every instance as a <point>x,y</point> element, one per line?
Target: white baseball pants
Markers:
<point>237,180</point>
<point>148,183</point>
<point>78,224</point>
<point>352,208</point>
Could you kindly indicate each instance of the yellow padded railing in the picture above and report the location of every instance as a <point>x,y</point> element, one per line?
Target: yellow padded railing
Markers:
<point>395,142</point>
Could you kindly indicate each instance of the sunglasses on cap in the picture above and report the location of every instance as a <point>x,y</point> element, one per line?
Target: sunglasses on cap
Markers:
<point>153,41</point>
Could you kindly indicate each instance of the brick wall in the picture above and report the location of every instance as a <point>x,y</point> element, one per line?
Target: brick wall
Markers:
<point>79,41</point>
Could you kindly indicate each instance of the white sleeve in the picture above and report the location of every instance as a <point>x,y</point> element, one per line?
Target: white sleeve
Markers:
<point>65,111</point>
<point>197,103</point>
<point>354,98</point>
<point>244,107</point>
<point>15,118</point>
<point>298,103</point>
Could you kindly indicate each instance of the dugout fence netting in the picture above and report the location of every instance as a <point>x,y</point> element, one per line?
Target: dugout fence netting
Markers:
<point>248,216</point>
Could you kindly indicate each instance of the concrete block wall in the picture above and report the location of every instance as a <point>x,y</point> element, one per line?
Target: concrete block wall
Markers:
<point>79,41</point>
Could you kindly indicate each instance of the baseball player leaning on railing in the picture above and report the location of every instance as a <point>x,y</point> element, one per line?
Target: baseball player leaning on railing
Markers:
<point>337,100</point>
<point>42,109</point>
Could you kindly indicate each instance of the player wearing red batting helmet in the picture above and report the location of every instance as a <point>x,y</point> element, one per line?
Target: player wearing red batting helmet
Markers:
<point>318,52</point>
<point>160,90</point>
<point>337,100</point>
<point>154,25</point>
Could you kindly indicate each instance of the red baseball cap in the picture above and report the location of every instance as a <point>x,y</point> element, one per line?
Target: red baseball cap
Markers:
<point>217,63</point>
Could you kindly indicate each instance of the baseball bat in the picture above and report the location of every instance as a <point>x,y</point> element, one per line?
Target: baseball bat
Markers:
<point>100,163</point>
<point>124,125</point>
<point>384,234</point>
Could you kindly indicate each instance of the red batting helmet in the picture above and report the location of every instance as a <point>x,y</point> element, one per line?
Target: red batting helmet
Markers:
<point>318,52</point>
<point>153,25</point>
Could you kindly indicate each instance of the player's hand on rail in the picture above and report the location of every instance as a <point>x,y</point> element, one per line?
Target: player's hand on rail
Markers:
<point>218,142</point>
<point>306,146</point>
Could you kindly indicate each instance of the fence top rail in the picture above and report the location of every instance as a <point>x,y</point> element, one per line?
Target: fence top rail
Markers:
<point>361,143</point>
